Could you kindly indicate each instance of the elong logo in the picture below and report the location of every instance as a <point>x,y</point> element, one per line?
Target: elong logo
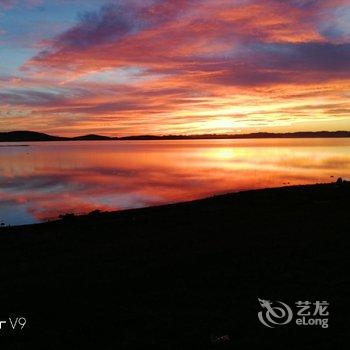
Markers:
<point>278,313</point>
<point>273,315</point>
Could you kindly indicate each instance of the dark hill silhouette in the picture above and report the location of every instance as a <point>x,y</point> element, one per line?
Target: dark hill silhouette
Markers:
<point>259,135</point>
<point>19,136</point>
<point>91,137</point>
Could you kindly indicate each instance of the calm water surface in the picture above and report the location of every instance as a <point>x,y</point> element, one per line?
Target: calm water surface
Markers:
<point>42,180</point>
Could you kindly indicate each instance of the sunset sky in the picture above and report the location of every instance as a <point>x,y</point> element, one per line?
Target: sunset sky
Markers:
<point>129,67</point>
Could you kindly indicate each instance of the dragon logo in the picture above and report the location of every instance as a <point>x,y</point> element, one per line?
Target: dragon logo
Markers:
<point>273,315</point>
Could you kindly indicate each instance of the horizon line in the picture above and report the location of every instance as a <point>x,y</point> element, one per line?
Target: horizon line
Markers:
<point>262,134</point>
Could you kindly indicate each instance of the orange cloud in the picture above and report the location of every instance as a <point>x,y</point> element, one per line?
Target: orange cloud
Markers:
<point>187,67</point>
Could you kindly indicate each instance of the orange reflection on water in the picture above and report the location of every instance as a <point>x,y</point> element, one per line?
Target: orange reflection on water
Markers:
<point>44,180</point>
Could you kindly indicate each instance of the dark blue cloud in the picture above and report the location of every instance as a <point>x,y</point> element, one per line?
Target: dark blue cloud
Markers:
<point>267,64</point>
<point>303,4</point>
<point>111,22</point>
<point>324,57</point>
<point>34,98</point>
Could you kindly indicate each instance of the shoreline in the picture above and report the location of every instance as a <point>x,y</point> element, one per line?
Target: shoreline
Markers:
<point>180,275</point>
<point>99,214</point>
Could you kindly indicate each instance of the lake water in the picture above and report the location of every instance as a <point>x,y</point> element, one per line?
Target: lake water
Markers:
<point>42,180</point>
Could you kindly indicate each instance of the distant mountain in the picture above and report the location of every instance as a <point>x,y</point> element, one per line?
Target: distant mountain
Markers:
<point>259,135</point>
<point>91,137</point>
<point>19,136</point>
<point>29,136</point>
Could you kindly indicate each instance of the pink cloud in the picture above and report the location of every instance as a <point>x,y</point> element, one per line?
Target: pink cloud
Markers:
<point>196,59</point>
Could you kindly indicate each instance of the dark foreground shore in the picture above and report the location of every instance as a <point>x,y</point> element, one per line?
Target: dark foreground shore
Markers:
<point>180,276</point>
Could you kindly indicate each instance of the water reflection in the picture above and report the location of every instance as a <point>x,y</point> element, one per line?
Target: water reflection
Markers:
<point>43,180</point>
